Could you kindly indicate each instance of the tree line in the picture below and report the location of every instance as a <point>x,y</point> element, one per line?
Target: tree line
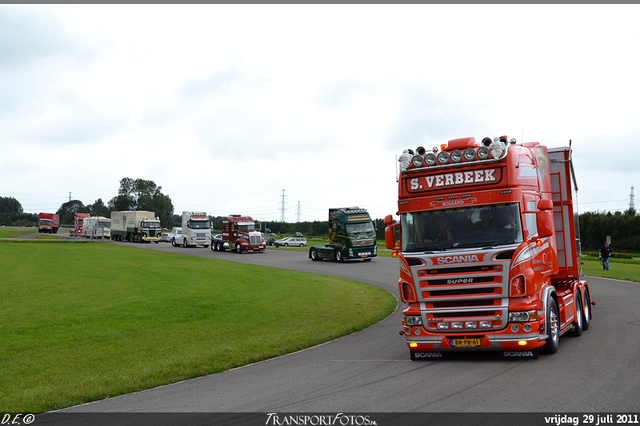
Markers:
<point>133,195</point>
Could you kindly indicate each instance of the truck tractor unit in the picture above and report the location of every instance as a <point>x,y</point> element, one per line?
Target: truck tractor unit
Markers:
<point>196,230</point>
<point>77,224</point>
<point>48,223</point>
<point>101,227</point>
<point>87,226</point>
<point>239,232</point>
<point>489,253</point>
<point>352,235</point>
<point>132,226</point>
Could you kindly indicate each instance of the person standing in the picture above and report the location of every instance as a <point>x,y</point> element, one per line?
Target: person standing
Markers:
<point>605,254</point>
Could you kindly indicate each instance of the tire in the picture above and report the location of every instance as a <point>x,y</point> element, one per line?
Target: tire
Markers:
<point>238,248</point>
<point>286,244</point>
<point>338,255</point>
<point>578,326</point>
<point>313,253</point>
<point>184,243</point>
<point>173,242</point>
<point>214,246</point>
<point>553,327</point>
<point>301,245</point>
<point>587,310</point>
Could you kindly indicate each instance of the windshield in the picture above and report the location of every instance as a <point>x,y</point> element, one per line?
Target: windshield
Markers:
<point>104,225</point>
<point>481,226</point>
<point>356,228</point>
<point>247,227</point>
<point>146,224</point>
<point>198,224</point>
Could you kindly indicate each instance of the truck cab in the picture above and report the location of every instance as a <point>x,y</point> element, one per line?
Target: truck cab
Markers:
<point>489,249</point>
<point>195,231</point>
<point>239,234</point>
<point>352,235</point>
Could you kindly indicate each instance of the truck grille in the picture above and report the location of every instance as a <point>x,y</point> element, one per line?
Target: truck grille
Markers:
<point>462,293</point>
<point>255,240</point>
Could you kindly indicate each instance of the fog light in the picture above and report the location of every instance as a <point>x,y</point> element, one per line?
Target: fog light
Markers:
<point>456,325</point>
<point>413,345</point>
<point>430,159</point>
<point>483,153</point>
<point>470,324</point>
<point>522,342</point>
<point>417,332</point>
<point>407,331</point>
<point>443,157</point>
<point>485,324</point>
<point>515,328</point>
<point>527,327</point>
<point>417,161</point>
<point>469,154</point>
<point>443,326</point>
<point>456,156</point>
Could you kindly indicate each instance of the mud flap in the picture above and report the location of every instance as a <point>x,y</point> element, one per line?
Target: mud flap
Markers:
<point>529,354</point>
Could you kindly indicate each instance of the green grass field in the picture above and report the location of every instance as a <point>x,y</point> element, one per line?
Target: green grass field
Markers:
<point>83,322</point>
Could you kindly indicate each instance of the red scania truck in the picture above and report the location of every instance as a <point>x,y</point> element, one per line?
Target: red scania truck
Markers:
<point>489,248</point>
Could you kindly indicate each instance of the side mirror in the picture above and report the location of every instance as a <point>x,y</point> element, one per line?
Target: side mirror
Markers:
<point>544,222</point>
<point>545,205</point>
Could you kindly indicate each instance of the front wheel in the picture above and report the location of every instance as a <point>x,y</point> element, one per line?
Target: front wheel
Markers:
<point>339,256</point>
<point>238,248</point>
<point>184,243</point>
<point>173,242</point>
<point>553,328</point>
<point>314,254</point>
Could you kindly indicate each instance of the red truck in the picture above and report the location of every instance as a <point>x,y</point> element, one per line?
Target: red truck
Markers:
<point>489,248</point>
<point>48,223</point>
<point>239,232</point>
<point>77,224</point>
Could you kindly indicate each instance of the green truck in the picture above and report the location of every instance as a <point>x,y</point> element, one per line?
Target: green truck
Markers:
<point>352,235</point>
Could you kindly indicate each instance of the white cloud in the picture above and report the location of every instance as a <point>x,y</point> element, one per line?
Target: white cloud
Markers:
<point>224,106</point>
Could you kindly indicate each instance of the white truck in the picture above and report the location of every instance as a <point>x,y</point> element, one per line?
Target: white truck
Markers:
<point>196,230</point>
<point>141,226</point>
<point>101,227</point>
<point>87,228</point>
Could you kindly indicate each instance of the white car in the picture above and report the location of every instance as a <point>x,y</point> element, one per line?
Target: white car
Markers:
<point>291,241</point>
<point>166,237</point>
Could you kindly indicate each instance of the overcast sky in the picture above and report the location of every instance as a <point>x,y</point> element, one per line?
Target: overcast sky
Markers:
<point>227,106</point>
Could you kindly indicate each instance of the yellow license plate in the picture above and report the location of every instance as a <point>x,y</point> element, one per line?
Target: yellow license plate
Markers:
<point>465,343</point>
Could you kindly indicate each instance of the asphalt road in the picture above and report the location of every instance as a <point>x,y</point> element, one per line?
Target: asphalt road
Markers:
<point>370,371</point>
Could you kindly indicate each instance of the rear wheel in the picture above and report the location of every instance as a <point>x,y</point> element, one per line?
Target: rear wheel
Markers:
<point>587,310</point>
<point>579,323</point>
<point>553,327</point>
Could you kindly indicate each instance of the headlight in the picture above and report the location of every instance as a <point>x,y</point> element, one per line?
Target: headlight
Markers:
<point>413,320</point>
<point>523,316</point>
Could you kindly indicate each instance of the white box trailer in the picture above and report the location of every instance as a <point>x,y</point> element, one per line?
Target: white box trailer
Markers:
<point>141,226</point>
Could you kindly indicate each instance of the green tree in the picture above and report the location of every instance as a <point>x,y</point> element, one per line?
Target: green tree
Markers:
<point>10,205</point>
<point>98,208</point>
<point>143,195</point>
<point>68,210</point>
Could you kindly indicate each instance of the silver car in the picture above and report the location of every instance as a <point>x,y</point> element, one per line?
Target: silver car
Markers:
<point>291,241</point>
